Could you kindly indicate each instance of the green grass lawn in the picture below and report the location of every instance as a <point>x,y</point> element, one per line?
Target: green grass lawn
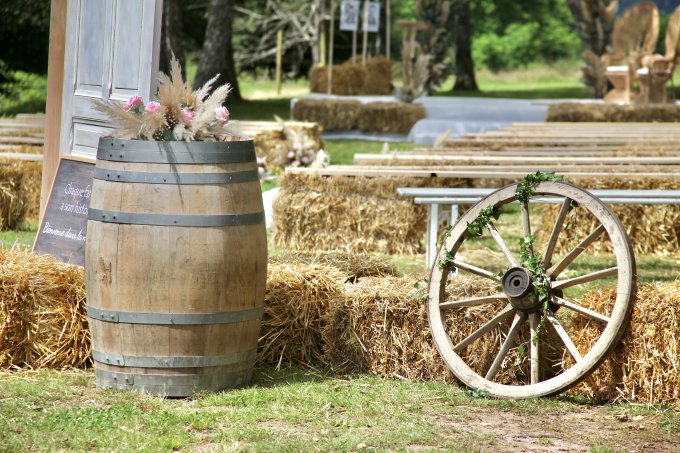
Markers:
<point>293,410</point>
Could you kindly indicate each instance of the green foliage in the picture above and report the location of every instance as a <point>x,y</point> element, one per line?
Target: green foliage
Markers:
<point>509,35</point>
<point>477,226</point>
<point>526,187</point>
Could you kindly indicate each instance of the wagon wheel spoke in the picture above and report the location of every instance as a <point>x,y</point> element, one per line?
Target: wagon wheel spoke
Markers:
<point>562,333</point>
<point>579,309</point>
<point>489,325</point>
<point>571,256</point>
<point>533,346</point>
<point>502,245</point>
<point>557,228</point>
<point>598,275</point>
<point>473,301</point>
<point>507,344</point>
<point>526,225</point>
<point>474,270</point>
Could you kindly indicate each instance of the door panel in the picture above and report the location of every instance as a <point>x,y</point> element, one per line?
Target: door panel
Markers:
<point>112,53</point>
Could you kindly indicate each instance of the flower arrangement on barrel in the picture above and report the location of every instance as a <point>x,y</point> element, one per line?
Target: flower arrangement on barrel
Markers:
<point>179,113</point>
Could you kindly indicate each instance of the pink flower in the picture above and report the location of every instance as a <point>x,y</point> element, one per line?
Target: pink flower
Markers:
<point>304,160</point>
<point>297,146</point>
<point>153,107</point>
<point>222,114</point>
<point>186,115</point>
<point>260,170</point>
<point>291,154</point>
<point>133,102</point>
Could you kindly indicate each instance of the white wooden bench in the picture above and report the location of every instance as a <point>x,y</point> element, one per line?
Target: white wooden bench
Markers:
<point>436,197</point>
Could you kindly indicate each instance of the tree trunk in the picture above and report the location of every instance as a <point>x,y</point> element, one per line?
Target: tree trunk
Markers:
<point>217,56</point>
<point>465,68</point>
<point>172,35</point>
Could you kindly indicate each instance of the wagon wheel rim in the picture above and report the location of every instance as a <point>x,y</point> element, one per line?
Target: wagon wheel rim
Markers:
<point>516,313</point>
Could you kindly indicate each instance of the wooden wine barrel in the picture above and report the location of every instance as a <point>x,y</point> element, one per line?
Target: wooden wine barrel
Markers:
<point>175,265</point>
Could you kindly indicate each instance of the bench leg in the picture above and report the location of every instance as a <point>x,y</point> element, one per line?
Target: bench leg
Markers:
<point>431,244</point>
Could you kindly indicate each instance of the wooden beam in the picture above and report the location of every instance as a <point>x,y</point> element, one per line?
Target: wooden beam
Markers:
<point>55,87</point>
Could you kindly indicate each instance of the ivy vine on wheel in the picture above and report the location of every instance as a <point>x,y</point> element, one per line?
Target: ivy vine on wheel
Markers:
<point>532,333</point>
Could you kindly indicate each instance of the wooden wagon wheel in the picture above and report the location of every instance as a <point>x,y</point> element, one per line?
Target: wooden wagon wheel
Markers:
<point>518,319</point>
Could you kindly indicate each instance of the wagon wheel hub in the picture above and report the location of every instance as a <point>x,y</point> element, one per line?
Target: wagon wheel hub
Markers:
<point>517,285</point>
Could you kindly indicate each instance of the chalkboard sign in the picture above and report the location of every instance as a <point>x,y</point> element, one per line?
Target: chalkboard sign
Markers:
<point>63,228</point>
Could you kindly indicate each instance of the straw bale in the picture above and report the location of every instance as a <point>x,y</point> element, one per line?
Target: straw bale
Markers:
<point>652,229</point>
<point>274,144</point>
<point>355,266</point>
<point>382,328</point>
<point>378,76</point>
<point>645,366</point>
<point>389,116</point>
<point>350,214</point>
<point>15,194</point>
<point>43,321</point>
<point>590,112</point>
<point>297,299</point>
<point>348,79</point>
<point>331,114</point>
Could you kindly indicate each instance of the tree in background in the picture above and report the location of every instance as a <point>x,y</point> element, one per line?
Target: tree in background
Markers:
<point>594,23</point>
<point>509,35</point>
<point>217,55</point>
<point>172,36</point>
<point>437,40</point>
<point>465,68</point>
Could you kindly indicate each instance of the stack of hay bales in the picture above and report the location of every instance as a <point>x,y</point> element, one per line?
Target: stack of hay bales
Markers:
<point>354,78</point>
<point>349,314</point>
<point>43,322</point>
<point>350,213</point>
<point>589,112</point>
<point>650,228</point>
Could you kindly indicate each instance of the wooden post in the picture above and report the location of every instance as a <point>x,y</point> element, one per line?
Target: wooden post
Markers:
<point>55,88</point>
<point>354,47</point>
<point>279,57</point>
<point>322,51</point>
<point>330,49</point>
<point>388,20</point>
<point>365,43</point>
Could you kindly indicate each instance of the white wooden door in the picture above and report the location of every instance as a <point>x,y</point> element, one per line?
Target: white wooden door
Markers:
<point>112,49</point>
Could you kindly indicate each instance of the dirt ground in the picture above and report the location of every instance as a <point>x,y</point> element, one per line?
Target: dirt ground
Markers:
<point>593,429</point>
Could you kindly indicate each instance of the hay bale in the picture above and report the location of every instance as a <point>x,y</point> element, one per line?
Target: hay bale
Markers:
<point>354,266</point>
<point>15,194</point>
<point>297,300</point>
<point>590,112</point>
<point>378,76</point>
<point>350,214</point>
<point>389,116</point>
<point>644,367</point>
<point>652,229</point>
<point>348,79</point>
<point>382,328</point>
<point>278,143</point>
<point>331,114</point>
<point>43,321</point>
